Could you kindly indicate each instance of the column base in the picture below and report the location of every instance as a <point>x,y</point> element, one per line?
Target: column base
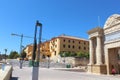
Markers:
<point>98,69</point>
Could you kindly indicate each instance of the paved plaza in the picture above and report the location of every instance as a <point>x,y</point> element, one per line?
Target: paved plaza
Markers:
<point>54,74</point>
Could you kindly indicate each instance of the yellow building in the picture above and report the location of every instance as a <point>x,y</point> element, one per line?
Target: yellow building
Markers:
<point>45,49</point>
<point>66,43</point>
<point>59,44</point>
<point>28,50</point>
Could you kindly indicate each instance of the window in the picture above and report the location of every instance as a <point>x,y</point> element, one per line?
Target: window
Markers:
<point>73,46</point>
<point>79,42</point>
<point>84,43</point>
<point>43,56</point>
<point>68,46</point>
<point>55,53</point>
<point>84,48</point>
<point>64,40</point>
<point>79,47</point>
<point>118,54</point>
<point>69,41</point>
<point>64,46</point>
<point>73,41</point>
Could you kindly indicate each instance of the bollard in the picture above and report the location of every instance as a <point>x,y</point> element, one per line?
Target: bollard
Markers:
<point>3,67</point>
<point>30,63</point>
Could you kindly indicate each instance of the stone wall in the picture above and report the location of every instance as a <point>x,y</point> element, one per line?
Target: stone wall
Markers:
<point>6,73</point>
<point>74,61</point>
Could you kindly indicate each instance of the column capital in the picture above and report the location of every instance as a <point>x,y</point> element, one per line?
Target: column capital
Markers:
<point>90,38</point>
<point>99,36</point>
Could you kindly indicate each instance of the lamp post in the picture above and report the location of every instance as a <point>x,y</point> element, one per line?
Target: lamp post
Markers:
<point>21,40</point>
<point>0,56</point>
<point>48,61</point>
<point>21,59</point>
<point>5,54</point>
<point>64,57</point>
<point>36,55</point>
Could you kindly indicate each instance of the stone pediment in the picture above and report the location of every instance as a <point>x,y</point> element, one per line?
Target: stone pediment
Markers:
<point>112,21</point>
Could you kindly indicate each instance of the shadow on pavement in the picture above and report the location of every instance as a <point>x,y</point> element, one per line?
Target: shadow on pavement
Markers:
<point>14,78</point>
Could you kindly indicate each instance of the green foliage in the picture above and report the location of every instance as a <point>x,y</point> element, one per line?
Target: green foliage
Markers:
<point>23,54</point>
<point>87,55</point>
<point>61,54</point>
<point>83,54</point>
<point>16,56</point>
<point>80,54</point>
<point>71,54</point>
<point>67,54</point>
<point>13,55</point>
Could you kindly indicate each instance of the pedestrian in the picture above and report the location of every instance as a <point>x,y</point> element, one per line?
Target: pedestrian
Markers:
<point>113,70</point>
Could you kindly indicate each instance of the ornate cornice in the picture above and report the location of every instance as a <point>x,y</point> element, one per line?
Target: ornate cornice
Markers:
<point>97,29</point>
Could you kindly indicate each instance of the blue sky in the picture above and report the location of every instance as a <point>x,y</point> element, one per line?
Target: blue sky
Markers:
<point>70,17</point>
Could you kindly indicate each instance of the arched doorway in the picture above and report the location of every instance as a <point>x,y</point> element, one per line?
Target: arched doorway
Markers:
<point>114,59</point>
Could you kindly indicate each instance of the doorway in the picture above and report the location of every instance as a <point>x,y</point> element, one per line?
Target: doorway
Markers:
<point>114,59</point>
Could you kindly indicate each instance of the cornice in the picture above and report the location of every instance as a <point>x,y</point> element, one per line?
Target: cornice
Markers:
<point>97,29</point>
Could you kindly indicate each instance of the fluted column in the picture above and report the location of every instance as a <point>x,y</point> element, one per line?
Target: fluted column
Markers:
<point>91,60</point>
<point>99,51</point>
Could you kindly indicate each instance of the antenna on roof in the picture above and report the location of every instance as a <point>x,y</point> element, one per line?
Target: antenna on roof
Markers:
<point>99,21</point>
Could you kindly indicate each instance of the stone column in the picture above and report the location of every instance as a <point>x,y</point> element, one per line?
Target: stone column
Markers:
<point>91,61</point>
<point>99,51</point>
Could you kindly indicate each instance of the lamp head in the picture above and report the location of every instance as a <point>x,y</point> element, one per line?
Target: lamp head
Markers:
<point>38,24</point>
<point>5,50</point>
<point>12,34</point>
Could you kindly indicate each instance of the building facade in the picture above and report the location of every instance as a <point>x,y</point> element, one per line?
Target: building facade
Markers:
<point>28,51</point>
<point>44,50</point>
<point>66,43</point>
<point>62,43</point>
<point>104,44</point>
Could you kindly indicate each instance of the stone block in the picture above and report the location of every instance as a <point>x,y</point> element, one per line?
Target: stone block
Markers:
<point>98,69</point>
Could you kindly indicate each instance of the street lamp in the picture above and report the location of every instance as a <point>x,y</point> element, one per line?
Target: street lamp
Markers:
<point>21,40</point>
<point>21,59</point>
<point>0,56</point>
<point>48,61</point>
<point>36,56</point>
<point>5,54</point>
<point>64,57</point>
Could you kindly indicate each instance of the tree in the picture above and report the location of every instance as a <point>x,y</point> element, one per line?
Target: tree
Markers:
<point>13,55</point>
<point>61,54</point>
<point>87,55</point>
<point>83,54</point>
<point>23,54</point>
<point>80,54</point>
<point>67,54</point>
<point>73,54</point>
